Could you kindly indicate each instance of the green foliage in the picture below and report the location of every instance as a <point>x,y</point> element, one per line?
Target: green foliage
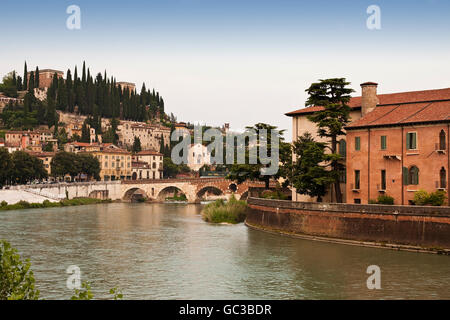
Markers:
<point>275,194</point>
<point>423,198</point>
<point>26,168</point>
<point>136,145</point>
<point>233,211</point>
<point>307,173</point>
<point>16,278</point>
<point>67,163</point>
<point>334,96</point>
<point>6,166</point>
<point>176,197</point>
<point>383,199</point>
<point>117,294</point>
<point>47,204</point>
<point>9,85</point>
<point>170,169</point>
<point>252,172</point>
<point>84,293</point>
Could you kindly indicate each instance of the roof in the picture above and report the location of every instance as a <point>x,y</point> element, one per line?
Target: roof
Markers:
<point>404,114</point>
<point>149,153</point>
<point>140,164</point>
<point>388,100</point>
<point>49,70</point>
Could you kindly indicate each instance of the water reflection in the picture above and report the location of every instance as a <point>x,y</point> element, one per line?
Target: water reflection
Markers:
<point>165,251</point>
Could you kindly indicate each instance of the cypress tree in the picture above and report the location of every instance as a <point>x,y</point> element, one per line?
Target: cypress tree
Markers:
<point>36,78</point>
<point>25,77</point>
<point>31,82</point>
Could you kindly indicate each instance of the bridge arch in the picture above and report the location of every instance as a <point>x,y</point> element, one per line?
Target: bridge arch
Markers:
<point>170,191</point>
<point>134,194</point>
<point>244,196</point>
<point>207,191</point>
<point>99,194</point>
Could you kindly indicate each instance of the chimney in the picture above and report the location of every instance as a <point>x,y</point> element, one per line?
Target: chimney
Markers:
<point>369,97</point>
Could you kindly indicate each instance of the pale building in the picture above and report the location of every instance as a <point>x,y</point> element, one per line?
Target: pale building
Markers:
<point>198,156</point>
<point>154,160</point>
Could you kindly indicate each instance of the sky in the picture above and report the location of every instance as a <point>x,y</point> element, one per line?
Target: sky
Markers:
<point>241,62</point>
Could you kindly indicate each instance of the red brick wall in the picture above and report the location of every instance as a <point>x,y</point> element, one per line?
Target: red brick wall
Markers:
<point>370,160</point>
<point>418,226</point>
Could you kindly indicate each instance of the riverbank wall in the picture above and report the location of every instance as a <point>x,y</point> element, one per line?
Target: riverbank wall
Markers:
<point>396,227</point>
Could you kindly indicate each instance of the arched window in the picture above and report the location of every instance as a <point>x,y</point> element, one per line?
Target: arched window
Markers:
<point>442,140</point>
<point>343,148</point>
<point>413,175</point>
<point>443,178</point>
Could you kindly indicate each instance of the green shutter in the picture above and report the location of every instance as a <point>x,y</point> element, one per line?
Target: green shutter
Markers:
<point>414,140</point>
<point>405,176</point>
<point>383,142</point>
<point>357,143</point>
<point>408,141</point>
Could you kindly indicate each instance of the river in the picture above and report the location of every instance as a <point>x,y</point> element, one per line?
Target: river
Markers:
<point>166,251</point>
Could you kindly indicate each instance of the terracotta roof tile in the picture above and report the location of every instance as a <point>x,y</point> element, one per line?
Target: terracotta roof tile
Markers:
<point>402,114</point>
<point>390,99</point>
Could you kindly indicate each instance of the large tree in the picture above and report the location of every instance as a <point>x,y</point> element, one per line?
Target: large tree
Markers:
<point>6,166</point>
<point>27,168</point>
<point>88,165</point>
<point>333,96</point>
<point>308,173</point>
<point>65,163</point>
<point>136,145</point>
<point>247,171</point>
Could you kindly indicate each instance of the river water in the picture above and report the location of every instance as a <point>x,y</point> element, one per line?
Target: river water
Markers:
<point>166,251</point>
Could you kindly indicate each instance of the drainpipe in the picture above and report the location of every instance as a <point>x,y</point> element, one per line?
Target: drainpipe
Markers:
<point>448,164</point>
<point>403,178</point>
<point>368,166</point>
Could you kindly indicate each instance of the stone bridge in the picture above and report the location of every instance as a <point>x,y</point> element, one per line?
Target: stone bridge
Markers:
<point>195,189</point>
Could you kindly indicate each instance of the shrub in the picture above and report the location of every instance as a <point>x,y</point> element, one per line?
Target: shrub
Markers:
<point>423,198</point>
<point>420,197</point>
<point>385,199</point>
<point>3,203</point>
<point>16,278</point>
<point>276,195</point>
<point>220,211</point>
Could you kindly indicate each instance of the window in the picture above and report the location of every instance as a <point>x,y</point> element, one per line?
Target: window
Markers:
<point>411,140</point>
<point>357,201</point>
<point>357,179</point>
<point>383,142</point>
<point>442,139</point>
<point>342,148</point>
<point>106,164</point>
<point>443,178</point>
<point>383,179</point>
<point>413,177</point>
<point>357,143</point>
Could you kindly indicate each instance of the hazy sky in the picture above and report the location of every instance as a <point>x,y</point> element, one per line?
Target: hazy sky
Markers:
<point>233,61</point>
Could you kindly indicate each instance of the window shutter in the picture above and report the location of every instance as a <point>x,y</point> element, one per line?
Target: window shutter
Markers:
<point>414,138</point>
<point>405,176</point>
<point>408,141</point>
<point>383,142</point>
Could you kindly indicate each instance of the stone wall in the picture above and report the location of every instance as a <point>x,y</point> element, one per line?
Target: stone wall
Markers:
<point>426,227</point>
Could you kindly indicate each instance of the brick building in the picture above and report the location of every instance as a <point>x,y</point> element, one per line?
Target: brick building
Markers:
<point>401,145</point>
<point>395,144</point>
<point>46,77</point>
